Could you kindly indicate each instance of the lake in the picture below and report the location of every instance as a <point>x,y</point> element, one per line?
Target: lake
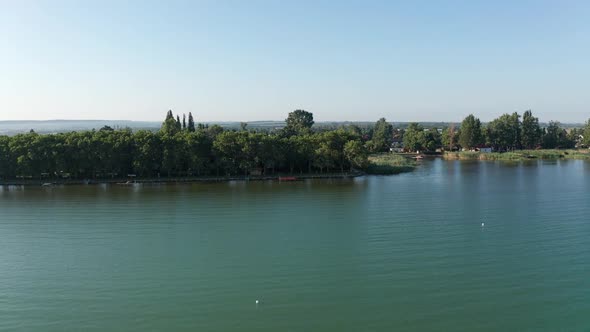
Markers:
<point>379,253</point>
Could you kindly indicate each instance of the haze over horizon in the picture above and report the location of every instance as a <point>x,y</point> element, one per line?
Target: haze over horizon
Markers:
<point>352,61</point>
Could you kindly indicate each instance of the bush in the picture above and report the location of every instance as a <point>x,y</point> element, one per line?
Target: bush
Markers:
<point>387,164</point>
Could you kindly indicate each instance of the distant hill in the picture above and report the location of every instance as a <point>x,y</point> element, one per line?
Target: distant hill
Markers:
<point>60,126</point>
<point>57,126</point>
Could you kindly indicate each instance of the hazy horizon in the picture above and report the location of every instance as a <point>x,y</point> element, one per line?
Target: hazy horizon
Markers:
<point>257,61</point>
<point>584,119</point>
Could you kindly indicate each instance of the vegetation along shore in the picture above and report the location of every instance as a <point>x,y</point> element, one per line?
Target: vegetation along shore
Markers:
<point>183,149</point>
<point>520,155</point>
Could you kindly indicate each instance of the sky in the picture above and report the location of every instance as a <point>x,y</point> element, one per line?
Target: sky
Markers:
<point>258,60</point>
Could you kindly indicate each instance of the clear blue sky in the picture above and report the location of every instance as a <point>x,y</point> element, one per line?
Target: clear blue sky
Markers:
<point>258,60</point>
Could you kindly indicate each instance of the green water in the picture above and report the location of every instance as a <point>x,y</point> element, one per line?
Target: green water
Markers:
<point>397,253</point>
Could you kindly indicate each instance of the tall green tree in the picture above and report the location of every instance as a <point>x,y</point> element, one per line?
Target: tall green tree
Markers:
<point>503,133</point>
<point>531,131</point>
<point>471,134</point>
<point>191,122</point>
<point>586,134</point>
<point>414,137</point>
<point>298,122</point>
<point>169,127</point>
<point>169,115</point>
<point>382,136</point>
<point>178,123</point>
<point>183,121</point>
<point>432,139</point>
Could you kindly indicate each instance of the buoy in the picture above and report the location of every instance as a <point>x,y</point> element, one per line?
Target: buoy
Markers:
<point>257,302</point>
<point>482,224</point>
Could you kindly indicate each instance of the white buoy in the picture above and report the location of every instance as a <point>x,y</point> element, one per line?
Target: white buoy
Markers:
<point>257,302</point>
<point>482,224</point>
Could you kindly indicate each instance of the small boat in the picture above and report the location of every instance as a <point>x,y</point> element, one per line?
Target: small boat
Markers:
<point>418,157</point>
<point>128,183</point>
<point>47,184</point>
<point>287,178</point>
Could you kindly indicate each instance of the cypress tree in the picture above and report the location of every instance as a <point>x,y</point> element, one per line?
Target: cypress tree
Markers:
<point>169,126</point>
<point>178,124</point>
<point>169,115</point>
<point>191,122</point>
<point>183,121</point>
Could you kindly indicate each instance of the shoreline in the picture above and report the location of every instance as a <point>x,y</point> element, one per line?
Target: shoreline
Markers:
<point>520,155</point>
<point>174,180</point>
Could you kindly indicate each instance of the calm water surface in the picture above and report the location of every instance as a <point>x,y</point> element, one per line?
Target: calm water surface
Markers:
<point>396,253</point>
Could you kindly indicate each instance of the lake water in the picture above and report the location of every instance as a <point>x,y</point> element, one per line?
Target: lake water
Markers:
<point>393,253</point>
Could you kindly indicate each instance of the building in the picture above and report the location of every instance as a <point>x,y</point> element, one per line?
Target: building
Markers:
<point>485,150</point>
<point>397,145</point>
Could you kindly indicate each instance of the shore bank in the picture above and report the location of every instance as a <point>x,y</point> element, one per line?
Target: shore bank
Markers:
<point>164,180</point>
<point>519,155</point>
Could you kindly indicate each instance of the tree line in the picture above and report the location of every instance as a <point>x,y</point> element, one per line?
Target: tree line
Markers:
<point>506,133</point>
<point>183,148</point>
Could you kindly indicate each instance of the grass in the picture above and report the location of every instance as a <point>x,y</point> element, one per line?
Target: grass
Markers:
<point>388,164</point>
<point>520,155</point>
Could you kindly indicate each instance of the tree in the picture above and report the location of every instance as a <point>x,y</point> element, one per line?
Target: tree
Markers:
<point>6,162</point>
<point>503,133</point>
<point>531,131</point>
<point>470,135</point>
<point>300,152</point>
<point>382,136</point>
<point>273,152</point>
<point>355,154</point>
<point>178,123</point>
<point>169,115</point>
<point>298,122</point>
<point>414,137</point>
<point>574,137</point>
<point>449,137</point>
<point>170,126</point>
<point>148,153</point>
<point>228,151</point>
<point>183,121</point>
<point>105,128</point>
<point>329,154</point>
<point>199,152</point>
<point>556,137</point>
<point>586,134</point>
<point>191,122</point>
